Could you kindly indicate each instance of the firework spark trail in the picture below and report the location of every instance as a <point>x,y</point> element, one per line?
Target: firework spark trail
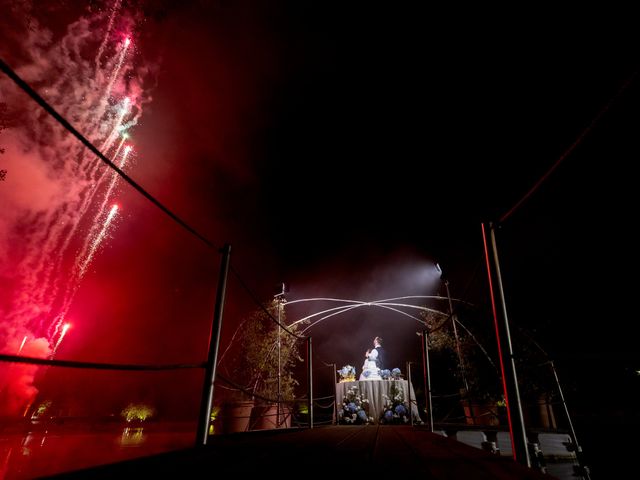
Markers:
<point>51,231</point>
<point>115,131</point>
<point>104,109</point>
<point>44,231</point>
<point>69,287</point>
<point>119,147</point>
<point>96,235</point>
<point>63,332</point>
<point>24,340</point>
<point>40,264</point>
<point>88,201</point>
<point>116,71</point>
<point>112,184</point>
<point>95,243</point>
<point>81,270</point>
<point>52,269</point>
<point>114,10</point>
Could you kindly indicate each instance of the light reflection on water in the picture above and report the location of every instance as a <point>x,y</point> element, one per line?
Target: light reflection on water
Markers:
<point>48,451</point>
<point>132,436</point>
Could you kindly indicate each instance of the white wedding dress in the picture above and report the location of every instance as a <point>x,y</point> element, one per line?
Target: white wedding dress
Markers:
<point>369,369</point>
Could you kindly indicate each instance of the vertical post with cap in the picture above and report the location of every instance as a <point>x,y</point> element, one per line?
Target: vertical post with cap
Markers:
<point>515,414</point>
<point>427,376</point>
<point>214,339</point>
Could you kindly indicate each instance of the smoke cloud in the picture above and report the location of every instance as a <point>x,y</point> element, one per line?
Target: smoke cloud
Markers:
<point>55,194</point>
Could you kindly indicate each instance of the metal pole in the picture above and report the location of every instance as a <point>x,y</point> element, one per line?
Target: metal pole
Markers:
<point>584,469</point>
<point>279,399</point>
<point>280,299</point>
<point>427,375</point>
<point>409,392</point>
<point>520,449</point>
<point>458,351</point>
<point>335,398</point>
<point>310,380</point>
<point>212,359</point>
<point>455,335</point>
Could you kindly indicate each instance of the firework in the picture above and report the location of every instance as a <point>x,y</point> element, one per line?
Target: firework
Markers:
<point>63,332</point>
<point>54,242</point>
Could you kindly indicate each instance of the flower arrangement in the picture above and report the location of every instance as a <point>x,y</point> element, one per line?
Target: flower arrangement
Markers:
<point>395,410</point>
<point>347,374</point>
<point>355,408</point>
<point>394,374</point>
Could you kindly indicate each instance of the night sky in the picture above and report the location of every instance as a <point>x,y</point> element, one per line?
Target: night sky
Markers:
<point>344,149</point>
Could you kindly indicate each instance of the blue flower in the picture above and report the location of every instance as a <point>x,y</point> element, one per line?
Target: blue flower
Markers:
<point>395,408</point>
<point>355,408</point>
<point>347,373</point>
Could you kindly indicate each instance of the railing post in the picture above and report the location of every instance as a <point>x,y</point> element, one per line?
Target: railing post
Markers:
<point>214,339</point>
<point>409,392</point>
<point>584,469</point>
<point>515,414</point>
<point>310,380</point>
<point>427,375</point>
<point>335,398</point>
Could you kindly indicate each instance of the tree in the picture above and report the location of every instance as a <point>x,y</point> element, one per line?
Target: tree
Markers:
<point>253,360</point>
<point>479,354</point>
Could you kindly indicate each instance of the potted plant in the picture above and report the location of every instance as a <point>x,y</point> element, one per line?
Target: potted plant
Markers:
<point>470,366</point>
<point>261,370</point>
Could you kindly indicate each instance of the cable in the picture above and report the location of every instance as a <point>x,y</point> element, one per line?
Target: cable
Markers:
<point>62,121</point>
<point>571,148</point>
<point>94,365</point>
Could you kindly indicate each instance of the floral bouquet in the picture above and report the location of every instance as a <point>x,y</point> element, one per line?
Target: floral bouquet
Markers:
<point>347,374</point>
<point>355,408</point>
<point>395,410</point>
<point>394,374</point>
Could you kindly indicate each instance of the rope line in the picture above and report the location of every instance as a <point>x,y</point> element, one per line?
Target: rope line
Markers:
<point>65,123</point>
<point>97,366</point>
<point>571,148</point>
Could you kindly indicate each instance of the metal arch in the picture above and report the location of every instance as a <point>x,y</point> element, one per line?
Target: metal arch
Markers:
<point>370,304</point>
<point>331,299</point>
<point>383,303</point>
<point>342,307</point>
<point>356,304</point>
<point>352,304</point>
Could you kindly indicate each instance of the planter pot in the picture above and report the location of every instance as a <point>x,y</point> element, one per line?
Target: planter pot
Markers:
<point>479,414</point>
<point>236,416</point>
<point>265,416</point>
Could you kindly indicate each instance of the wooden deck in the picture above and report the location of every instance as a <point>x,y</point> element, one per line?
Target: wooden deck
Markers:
<point>334,452</point>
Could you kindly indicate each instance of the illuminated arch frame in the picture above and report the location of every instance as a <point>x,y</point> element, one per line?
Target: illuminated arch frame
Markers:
<point>388,303</point>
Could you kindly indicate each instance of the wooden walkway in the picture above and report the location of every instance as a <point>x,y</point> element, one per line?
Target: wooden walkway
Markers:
<point>333,452</point>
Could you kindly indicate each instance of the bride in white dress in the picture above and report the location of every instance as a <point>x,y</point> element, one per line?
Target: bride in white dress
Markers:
<point>369,369</point>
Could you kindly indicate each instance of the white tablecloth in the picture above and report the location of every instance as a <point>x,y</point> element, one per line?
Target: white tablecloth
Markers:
<point>373,390</point>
